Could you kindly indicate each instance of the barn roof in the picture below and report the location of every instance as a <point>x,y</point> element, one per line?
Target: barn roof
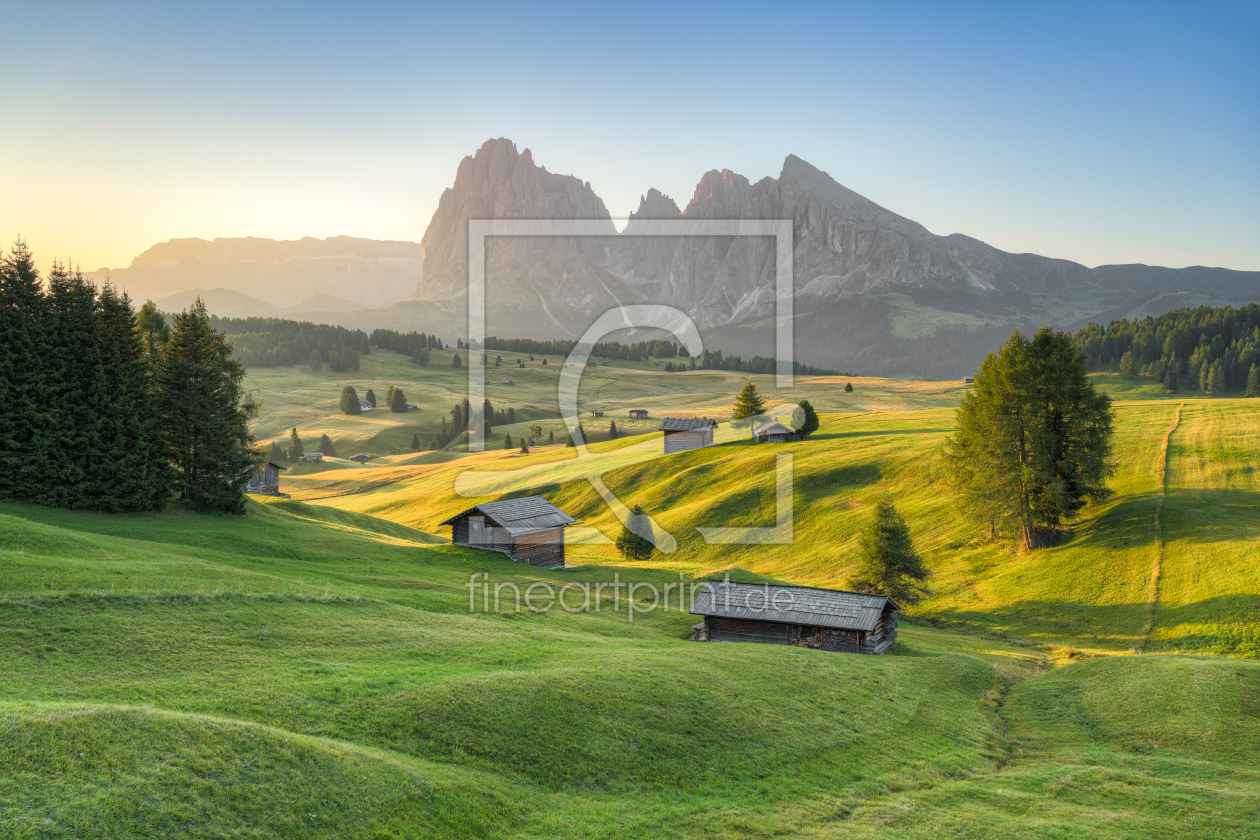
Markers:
<point>792,604</point>
<point>685,424</point>
<point>521,516</point>
<point>773,427</point>
<point>277,466</point>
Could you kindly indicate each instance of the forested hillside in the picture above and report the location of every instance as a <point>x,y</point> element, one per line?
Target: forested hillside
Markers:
<point>1208,349</point>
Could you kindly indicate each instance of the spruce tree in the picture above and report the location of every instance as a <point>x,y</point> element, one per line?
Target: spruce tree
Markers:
<point>487,411</point>
<point>455,360</point>
<point>27,422</point>
<point>370,397</point>
<point>415,442</point>
<point>524,446</point>
<point>75,389</point>
<point>326,446</point>
<point>887,562</point>
<point>507,442</point>
<point>350,401</point>
<point>1216,379</point>
<point>551,439</point>
<point>631,545</point>
<point>1170,381</point>
<point>204,426</point>
<point>748,403</point>
<point>130,471</point>
<point>848,387</point>
<point>612,430</point>
<point>810,424</point>
<point>277,455</point>
<point>296,450</point>
<point>152,329</point>
<point>398,401</point>
<point>1253,381</point>
<point>1127,365</point>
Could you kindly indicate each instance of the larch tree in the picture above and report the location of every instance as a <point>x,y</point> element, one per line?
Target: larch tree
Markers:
<point>206,429</point>
<point>296,450</point>
<point>1032,444</point>
<point>748,403</point>
<point>887,561</point>
<point>632,543</point>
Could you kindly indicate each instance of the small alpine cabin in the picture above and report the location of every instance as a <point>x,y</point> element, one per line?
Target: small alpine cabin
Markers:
<point>599,412</point>
<point>313,456</point>
<point>364,405</point>
<point>266,480</point>
<point>683,433</point>
<point>802,616</point>
<point>360,458</point>
<point>773,431</point>
<point>638,414</point>
<point>529,530</point>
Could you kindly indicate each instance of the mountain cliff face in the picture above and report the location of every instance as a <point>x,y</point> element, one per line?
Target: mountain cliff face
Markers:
<point>844,245</point>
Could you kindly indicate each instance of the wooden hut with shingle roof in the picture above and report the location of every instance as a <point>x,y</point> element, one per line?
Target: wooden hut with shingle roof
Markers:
<point>826,619</point>
<point>529,530</point>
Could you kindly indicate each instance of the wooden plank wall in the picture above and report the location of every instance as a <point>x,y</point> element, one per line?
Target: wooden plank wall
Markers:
<point>541,548</point>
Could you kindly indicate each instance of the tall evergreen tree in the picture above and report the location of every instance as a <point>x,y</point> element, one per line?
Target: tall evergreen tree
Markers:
<point>326,446</point>
<point>74,389</point>
<point>1033,438</point>
<point>27,424</point>
<point>370,397</point>
<point>350,401</point>
<point>887,562</point>
<point>152,329</point>
<point>848,387</point>
<point>748,403</point>
<point>1170,381</point>
<point>415,442</point>
<point>630,545</point>
<point>1128,366</point>
<point>487,411</point>
<point>507,442</point>
<point>296,450</point>
<point>130,471</point>
<point>205,428</point>
<point>398,401</point>
<point>277,455</point>
<point>810,424</point>
<point>1216,379</point>
<point>612,430</point>
<point>1253,381</point>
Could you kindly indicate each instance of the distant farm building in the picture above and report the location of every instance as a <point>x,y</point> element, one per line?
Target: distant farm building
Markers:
<point>529,530</point>
<point>773,431</point>
<point>508,382</point>
<point>683,433</point>
<point>412,407</point>
<point>825,619</point>
<point>597,413</point>
<point>638,414</point>
<point>967,380</point>
<point>360,458</point>
<point>266,481</point>
<point>313,456</point>
<point>364,405</point>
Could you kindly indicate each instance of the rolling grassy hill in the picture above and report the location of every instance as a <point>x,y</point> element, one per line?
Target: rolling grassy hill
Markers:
<point>283,675</point>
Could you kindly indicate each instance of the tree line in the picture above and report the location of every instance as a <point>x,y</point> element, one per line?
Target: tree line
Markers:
<point>276,342</point>
<point>1209,349</point>
<point>105,409</point>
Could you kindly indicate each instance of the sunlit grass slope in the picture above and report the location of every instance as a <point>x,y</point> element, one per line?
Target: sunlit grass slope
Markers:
<point>1093,591</point>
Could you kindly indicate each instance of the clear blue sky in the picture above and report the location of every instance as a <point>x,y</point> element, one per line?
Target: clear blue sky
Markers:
<point>1102,133</point>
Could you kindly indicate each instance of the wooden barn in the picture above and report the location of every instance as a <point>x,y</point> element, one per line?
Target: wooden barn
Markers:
<point>313,456</point>
<point>683,433</point>
<point>364,405</point>
<point>825,619</point>
<point>638,414</point>
<point>529,530</point>
<point>599,412</point>
<point>266,480</point>
<point>773,431</point>
<point>360,458</point>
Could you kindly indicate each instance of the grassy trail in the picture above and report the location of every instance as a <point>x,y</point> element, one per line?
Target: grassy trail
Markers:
<point>1153,586</point>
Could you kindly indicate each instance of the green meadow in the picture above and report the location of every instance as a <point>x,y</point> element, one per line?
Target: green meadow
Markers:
<point>313,668</point>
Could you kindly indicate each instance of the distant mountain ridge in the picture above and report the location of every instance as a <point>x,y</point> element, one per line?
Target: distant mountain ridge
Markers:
<point>874,290</point>
<point>366,272</point>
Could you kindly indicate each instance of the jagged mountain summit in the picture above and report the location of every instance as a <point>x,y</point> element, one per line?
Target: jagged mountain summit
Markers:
<point>844,245</point>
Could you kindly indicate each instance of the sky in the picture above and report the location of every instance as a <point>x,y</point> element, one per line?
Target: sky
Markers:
<point>1097,132</point>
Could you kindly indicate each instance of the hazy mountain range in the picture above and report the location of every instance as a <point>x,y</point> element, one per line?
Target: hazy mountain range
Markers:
<point>875,292</point>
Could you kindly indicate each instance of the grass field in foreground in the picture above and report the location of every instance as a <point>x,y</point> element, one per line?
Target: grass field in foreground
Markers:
<point>281,675</point>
